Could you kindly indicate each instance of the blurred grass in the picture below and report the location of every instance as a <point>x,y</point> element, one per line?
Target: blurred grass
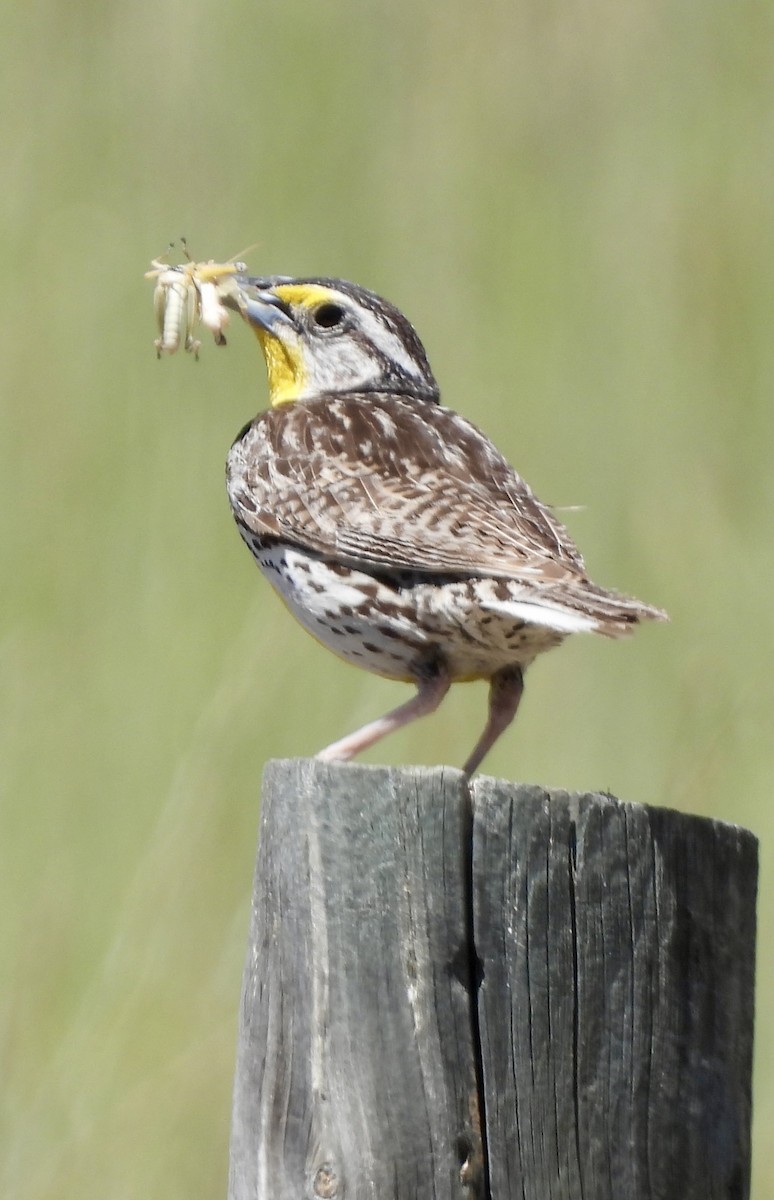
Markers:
<point>573,203</point>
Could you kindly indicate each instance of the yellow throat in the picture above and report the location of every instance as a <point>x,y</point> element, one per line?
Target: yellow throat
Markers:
<point>284,366</point>
<point>285,358</point>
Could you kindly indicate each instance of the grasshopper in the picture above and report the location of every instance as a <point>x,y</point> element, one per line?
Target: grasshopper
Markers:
<point>188,293</point>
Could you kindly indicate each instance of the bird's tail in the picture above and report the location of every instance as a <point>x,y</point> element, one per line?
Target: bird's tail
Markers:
<point>575,607</point>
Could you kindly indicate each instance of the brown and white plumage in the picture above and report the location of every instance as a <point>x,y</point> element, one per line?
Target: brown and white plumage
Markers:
<point>395,531</point>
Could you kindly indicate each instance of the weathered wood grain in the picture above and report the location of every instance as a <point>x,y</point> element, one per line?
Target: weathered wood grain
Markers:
<point>574,972</point>
<point>616,1009</point>
<point>356,1070</point>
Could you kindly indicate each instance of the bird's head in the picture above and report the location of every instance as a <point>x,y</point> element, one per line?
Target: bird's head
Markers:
<point>326,336</point>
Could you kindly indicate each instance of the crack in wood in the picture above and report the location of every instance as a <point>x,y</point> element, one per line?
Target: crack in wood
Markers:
<point>491,992</point>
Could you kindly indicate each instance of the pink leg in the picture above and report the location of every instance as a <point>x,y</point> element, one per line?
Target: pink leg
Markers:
<point>430,693</point>
<point>505,689</point>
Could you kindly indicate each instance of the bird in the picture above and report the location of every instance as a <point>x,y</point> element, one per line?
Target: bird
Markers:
<point>391,526</point>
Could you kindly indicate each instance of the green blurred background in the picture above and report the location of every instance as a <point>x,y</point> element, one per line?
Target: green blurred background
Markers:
<point>573,202</point>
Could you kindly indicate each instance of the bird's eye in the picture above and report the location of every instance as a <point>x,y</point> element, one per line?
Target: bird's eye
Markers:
<point>327,316</point>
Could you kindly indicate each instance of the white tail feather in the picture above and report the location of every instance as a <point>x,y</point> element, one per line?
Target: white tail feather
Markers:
<point>561,619</point>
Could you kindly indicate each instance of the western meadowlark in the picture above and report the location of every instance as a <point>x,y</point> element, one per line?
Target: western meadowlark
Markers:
<point>391,526</point>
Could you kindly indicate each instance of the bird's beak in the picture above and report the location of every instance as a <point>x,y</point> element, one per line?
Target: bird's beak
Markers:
<point>264,310</point>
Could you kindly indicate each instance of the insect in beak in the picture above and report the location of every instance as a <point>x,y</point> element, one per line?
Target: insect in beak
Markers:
<point>189,293</point>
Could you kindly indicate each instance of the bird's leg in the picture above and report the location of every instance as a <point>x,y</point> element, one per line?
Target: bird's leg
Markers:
<point>505,689</point>
<point>430,692</point>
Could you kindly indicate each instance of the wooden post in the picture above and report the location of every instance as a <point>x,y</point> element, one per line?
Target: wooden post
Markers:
<point>355,1070</point>
<point>616,1011</point>
<point>429,958</point>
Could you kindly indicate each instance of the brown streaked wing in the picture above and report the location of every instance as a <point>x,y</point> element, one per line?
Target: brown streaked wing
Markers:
<point>393,482</point>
